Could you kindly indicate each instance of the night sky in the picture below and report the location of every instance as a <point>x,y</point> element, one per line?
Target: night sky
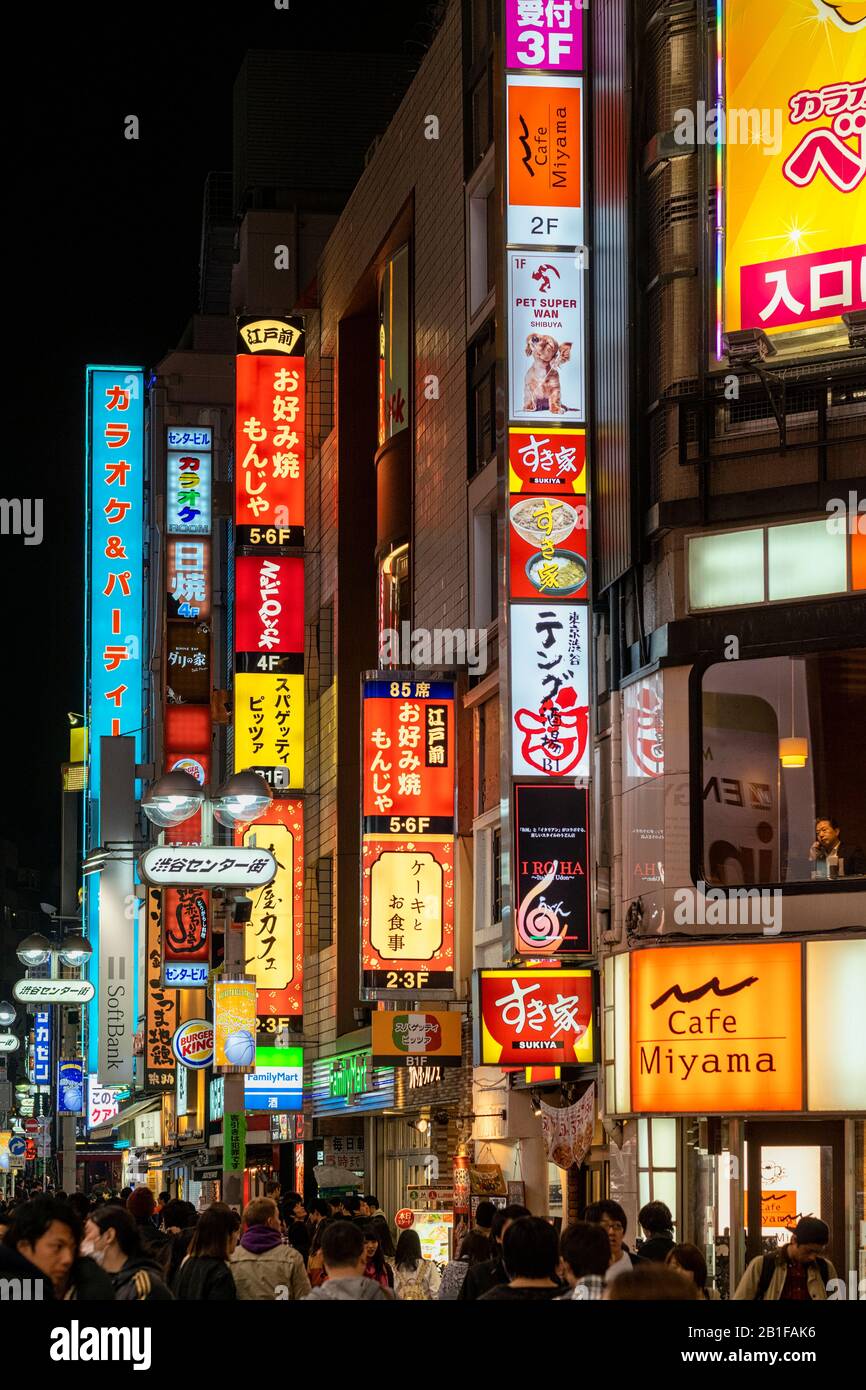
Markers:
<point>103,238</point>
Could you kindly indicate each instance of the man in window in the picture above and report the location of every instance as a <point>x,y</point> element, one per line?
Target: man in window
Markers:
<point>833,856</point>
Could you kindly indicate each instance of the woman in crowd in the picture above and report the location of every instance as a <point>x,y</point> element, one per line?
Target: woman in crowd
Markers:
<point>414,1277</point>
<point>688,1261</point>
<point>204,1272</point>
<point>475,1249</point>
<point>376,1266</point>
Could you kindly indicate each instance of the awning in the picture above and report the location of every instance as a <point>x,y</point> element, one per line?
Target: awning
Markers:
<point>139,1107</point>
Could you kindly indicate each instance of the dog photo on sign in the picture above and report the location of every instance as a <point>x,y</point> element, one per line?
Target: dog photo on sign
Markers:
<point>546,327</point>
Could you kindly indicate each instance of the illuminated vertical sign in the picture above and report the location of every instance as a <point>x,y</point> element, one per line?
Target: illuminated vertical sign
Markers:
<point>274,936</point>
<point>791,165</point>
<point>407,869</point>
<point>42,1048</point>
<point>269,520</point>
<point>189,473</point>
<point>548,572</point>
<point>161,1005</point>
<point>114,598</point>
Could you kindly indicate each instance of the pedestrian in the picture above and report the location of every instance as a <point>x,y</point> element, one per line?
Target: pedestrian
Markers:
<point>369,1209</point>
<point>488,1273</point>
<point>530,1254</point>
<point>475,1248</point>
<point>264,1267</point>
<point>344,1253</point>
<point>161,1202</point>
<point>320,1210</point>
<point>796,1272</point>
<point>650,1282</point>
<point>612,1217</point>
<point>112,1238</point>
<point>294,1215</point>
<point>484,1214</point>
<point>205,1272</point>
<point>376,1267</point>
<point>584,1255</point>
<point>178,1224</point>
<point>48,1234</point>
<point>315,1261</point>
<point>141,1206</point>
<point>689,1261</point>
<point>415,1278</point>
<point>657,1224</point>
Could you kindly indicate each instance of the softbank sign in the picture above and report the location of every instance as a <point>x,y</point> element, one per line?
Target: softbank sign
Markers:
<point>434,647</point>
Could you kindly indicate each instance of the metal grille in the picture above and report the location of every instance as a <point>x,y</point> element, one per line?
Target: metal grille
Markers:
<point>671,64</point>
<point>672,217</point>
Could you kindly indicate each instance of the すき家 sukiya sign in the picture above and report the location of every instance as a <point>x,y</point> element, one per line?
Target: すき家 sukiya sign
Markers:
<point>551,869</point>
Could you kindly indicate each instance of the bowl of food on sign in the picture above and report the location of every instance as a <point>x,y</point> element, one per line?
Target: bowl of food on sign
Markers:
<point>563,572</point>
<point>539,518</point>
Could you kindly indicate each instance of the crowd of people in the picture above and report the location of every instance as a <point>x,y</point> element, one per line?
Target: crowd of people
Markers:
<point>132,1246</point>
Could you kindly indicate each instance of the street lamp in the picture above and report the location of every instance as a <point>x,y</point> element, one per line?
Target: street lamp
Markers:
<point>75,950</point>
<point>34,950</point>
<point>172,799</point>
<point>243,798</point>
<point>7,1015</point>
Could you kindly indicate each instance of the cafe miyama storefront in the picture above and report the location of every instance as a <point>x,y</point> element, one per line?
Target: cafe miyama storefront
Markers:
<point>741,1070</point>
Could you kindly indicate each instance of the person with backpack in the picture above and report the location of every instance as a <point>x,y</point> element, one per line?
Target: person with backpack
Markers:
<point>414,1277</point>
<point>796,1272</point>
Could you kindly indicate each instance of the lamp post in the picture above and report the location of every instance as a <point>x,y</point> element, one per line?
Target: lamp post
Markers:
<point>242,800</point>
<point>73,951</point>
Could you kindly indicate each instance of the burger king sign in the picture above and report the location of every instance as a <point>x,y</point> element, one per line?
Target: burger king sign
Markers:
<point>192,1043</point>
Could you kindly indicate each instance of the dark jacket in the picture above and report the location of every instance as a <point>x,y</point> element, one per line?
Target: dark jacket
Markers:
<point>505,1292</point>
<point>140,1281</point>
<point>89,1283</point>
<point>655,1249</point>
<point>15,1266</point>
<point>483,1277</point>
<point>204,1277</point>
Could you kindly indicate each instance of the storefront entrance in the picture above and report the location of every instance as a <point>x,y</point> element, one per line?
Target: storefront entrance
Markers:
<point>794,1168</point>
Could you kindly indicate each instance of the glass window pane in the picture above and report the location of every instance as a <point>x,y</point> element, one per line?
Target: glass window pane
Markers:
<point>644,1188</point>
<point>806,559</point>
<point>664,1143</point>
<point>665,1189</point>
<point>726,570</point>
<point>642,1143</point>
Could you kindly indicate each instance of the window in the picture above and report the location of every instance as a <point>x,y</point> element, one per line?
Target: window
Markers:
<point>480,242</point>
<point>781,775</point>
<point>395,604</point>
<point>393,374</point>
<point>496,874</point>
<point>325,898</point>
<point>477,83</point>
<point>657,1163</point>
<point>774,564</point>
<point>487,836</point>
<point>482,400</point>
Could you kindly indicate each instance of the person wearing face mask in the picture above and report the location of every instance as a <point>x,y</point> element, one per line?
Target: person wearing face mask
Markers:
<point>111,1238</point>
<point>47,1233</point>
